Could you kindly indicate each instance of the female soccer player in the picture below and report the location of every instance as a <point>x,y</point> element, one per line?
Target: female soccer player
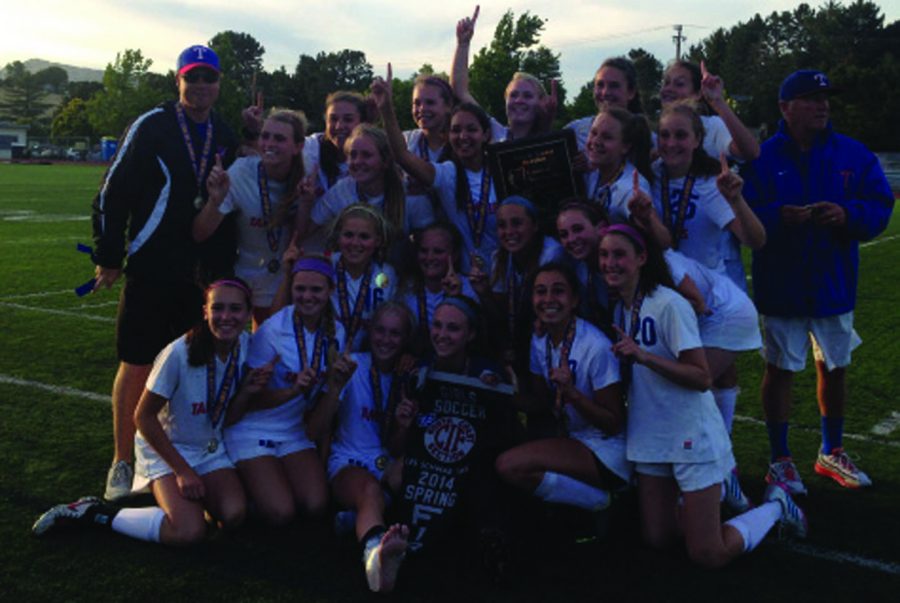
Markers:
<point>529,109</point>
<point>363,390</point>
<point>697,197</point>
<point>264,191</point>
<point>180,417</point>
<point>277,461</point>
<point>363,280</point>
<point>463,184</point>
<point>675,434</point>
<point>573,371</point>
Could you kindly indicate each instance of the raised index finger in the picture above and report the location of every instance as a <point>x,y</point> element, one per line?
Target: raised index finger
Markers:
<point>703,70</point>
<point>635,181</point>
<point>259,100</point>
<point>475,14</point>
<point>390,74</point>
<point>450,270</point>
<point>724,162</point>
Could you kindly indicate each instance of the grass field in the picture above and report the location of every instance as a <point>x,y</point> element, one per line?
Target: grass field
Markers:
<point>56,444</point>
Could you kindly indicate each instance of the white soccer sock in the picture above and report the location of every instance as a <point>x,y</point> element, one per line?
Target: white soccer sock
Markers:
<point>756,523</point>
<point>559,488</point>
<point>142,523</point>
<point>726,400</point>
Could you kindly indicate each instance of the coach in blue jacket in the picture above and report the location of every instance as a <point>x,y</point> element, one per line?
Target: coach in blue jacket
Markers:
<point>818,194</point>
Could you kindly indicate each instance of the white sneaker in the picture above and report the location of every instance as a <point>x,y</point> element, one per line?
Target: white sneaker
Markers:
<point>118,481</point>
<point>734,496</point>
<point>785,472</point>
<point>61,514</point>
<point>793,520</point>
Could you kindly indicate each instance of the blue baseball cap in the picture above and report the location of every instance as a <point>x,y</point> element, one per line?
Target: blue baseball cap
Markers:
<point>803,83</point>
<point>197,56</point>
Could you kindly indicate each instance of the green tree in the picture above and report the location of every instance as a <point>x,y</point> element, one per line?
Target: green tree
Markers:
<point>129,89</point>
<point>649,77</point>
<point>316,77</point>
<point>514,48</point>
<point>240,60</point>
<point>23,98</point>
<point>72,120</point>
<point>52,79</point>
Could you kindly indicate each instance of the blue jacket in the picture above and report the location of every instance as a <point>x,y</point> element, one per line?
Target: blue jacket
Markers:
<point>809,270</point>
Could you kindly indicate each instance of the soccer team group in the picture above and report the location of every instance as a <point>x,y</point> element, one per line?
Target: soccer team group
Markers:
<point>364,257</point>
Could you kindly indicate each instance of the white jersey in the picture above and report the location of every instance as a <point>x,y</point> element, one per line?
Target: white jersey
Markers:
<point>254,254</point>
<point>615,195</point>
<point>582,128</point>
<point>361,418</point>
<point>276,337</point>
<point>551,251</point>
<point>593,367</point>
<point>312,149</point>
<point>499,132</point>
<point>445,185</point>
<point>668,423</point>
<point>706,216</point>
<point>432,299</point>
<point>418,146</point>
<point>732,323</point>
<point>382,287</point>
<point>185,417</point>
<point>417,209</point>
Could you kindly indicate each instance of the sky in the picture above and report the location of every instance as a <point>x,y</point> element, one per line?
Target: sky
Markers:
<point>89,33</point>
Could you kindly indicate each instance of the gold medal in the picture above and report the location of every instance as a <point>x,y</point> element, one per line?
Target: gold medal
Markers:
<point>381,462</point>
<point>213,445</point>
<point>382,280</point>
<point>198,201</point>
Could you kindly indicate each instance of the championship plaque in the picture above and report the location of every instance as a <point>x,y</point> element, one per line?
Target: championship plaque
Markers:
<point>458,417</point>
<point>538,168</point>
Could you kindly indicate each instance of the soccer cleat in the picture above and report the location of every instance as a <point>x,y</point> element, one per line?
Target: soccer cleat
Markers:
<point>793,520</point>
<point>118,481</point>
<point>63,514</point>
<point>735,498</point>
<point>841,469</point>
<point>784,472</point>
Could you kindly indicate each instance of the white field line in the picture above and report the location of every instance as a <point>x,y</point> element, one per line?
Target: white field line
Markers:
<point>105,304</point>
<point>43,240</point>
<point>879,241</point>
<point>56,389</point>
<point>57,312</point>
<point>37,295</point>
<point>847,436</point>
<point>888,425</point>
<point>802,549</point>
<point>842,557</point>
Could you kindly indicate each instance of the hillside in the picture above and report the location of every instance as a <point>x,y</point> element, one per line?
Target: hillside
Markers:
<point>76,74</point>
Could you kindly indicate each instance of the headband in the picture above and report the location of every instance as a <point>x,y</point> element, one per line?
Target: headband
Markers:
<point>521,202</point>
<point>461,305</point>
<point>224,282</point>
<point>628,231</point>
<point>313,264</point>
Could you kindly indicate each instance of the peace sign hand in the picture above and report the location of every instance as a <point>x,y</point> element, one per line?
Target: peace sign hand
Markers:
<point>341,370</point>
<point>257,379</point>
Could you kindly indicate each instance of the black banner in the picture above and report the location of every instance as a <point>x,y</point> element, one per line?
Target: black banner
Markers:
<point>458,417</point>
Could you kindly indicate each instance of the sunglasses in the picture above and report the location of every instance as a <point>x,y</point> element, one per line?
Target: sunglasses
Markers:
<point>196,75</point>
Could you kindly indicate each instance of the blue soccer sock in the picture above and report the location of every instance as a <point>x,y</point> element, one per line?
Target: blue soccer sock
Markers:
<point>832,433</point>
<point>778,432</point>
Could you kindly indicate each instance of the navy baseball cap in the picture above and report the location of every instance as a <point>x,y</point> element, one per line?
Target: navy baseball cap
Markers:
<point>197,56</point>
<point>805,82</point>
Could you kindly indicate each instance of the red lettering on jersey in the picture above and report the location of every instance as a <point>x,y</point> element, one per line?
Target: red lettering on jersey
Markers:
<point>198,408</point>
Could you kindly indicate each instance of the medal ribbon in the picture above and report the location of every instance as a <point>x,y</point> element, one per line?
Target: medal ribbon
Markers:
<point>423,307</point>
<point>513,293</point>
<point>478,218</point>
<point>215,403</point>
<point>318,345</point>
<point>378,396</point>
<point>603,193</point>
<point>352,322</point>
<point>564,351</point>
<point>627,365</point>
<point>677,226</point>
<point>264,200</point>
<point>199,169</point>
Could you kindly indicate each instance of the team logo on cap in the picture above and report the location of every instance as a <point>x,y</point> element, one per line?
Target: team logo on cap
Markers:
<point>821,80</point>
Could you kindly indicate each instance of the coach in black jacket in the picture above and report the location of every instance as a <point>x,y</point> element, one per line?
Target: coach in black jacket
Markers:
<point>143,212</point>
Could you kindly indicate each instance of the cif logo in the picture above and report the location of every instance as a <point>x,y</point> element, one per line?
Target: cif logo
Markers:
<point>821,80</point>
<point>449,439</point>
